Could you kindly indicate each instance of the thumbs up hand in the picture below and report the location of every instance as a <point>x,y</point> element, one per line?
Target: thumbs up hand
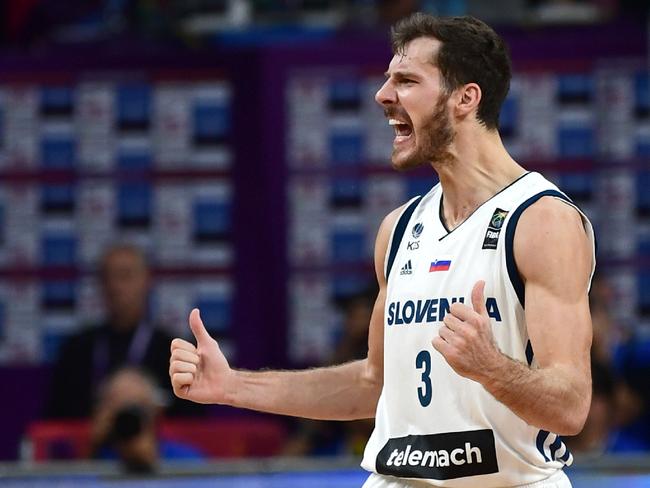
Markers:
<point>465,339</point>
<point>199,373</point>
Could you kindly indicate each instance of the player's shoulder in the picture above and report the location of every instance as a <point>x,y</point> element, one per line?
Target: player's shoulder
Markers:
<point>384,234</point>
<point>551,211</point>
<point>550,232</point>
<point>391,219</point>
<point>406,209</point>
<point>385,231</point>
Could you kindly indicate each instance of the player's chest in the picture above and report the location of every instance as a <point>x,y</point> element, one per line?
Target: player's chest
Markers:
<point>432,258</point>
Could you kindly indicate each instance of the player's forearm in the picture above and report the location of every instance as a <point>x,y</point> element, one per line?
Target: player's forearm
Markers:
<point>344,392</point>
<point>554,398</point>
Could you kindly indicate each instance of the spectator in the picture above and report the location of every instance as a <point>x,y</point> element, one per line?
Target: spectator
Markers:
<point>618,419</point>
<point>606,333</point>
<point>632,360</point>
<point>623,356</point>
<point>124,424</point>
<point>125,337</point>
<point>353,342</point>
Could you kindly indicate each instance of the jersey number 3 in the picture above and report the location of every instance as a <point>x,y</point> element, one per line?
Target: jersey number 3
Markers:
<point>423,361</point>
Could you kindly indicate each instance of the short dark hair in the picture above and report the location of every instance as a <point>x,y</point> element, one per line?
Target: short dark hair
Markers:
<point>471,52</point>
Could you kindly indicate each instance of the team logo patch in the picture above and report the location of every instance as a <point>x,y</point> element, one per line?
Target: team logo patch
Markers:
<point>494,229</point>
<point>417,230</point>
<point>439,456</point>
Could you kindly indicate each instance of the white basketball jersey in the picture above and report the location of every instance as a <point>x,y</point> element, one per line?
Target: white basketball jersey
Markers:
<point>431,423</point>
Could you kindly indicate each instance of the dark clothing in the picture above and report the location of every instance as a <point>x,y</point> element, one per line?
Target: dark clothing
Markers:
<point>89,357</point>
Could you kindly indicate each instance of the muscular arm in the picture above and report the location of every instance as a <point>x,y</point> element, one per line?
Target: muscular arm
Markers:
<point>554,258</point>
<point>344,392</point>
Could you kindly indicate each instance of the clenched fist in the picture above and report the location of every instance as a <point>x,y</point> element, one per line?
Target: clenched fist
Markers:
<point>199,373</point>
<point>465,340</point>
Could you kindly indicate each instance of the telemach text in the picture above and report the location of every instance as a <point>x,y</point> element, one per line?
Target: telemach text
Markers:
<point>438,459</point>
<point>439,456</point>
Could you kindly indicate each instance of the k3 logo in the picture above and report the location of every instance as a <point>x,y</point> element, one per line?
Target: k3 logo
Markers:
<point>413,245</point>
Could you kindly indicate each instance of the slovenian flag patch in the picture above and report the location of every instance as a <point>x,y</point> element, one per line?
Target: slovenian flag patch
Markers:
<point>440,265</point>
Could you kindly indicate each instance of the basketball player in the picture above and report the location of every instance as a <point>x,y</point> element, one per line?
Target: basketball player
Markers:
<point>478,355</point>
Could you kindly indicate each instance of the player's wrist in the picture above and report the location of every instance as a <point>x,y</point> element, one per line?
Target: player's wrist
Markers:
<point>231,384</point>
<point>496,372</point>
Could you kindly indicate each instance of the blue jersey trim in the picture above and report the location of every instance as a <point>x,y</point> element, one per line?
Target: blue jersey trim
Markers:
<point>555,445</point>
<point>565,457</point>
<point>400,228</point>
<point>541,437</point>
<point>511,265</point>
<point>529,353</point>
<point>513,272</point>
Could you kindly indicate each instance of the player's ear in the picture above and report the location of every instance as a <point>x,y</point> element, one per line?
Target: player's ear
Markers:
<point>468,99</point>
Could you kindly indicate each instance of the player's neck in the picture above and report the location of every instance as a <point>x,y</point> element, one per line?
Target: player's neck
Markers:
<point>480,168</point>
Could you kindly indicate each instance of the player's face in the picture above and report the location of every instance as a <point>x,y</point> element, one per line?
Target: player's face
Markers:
<point>415,103</point>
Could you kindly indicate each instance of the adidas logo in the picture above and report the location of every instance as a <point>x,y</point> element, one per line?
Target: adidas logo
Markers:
<point>407,269</point>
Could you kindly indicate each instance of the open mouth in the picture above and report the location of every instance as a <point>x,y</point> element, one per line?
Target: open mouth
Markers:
<point>403,130</point>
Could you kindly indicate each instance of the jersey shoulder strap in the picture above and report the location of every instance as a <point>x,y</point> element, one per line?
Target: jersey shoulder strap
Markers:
<point>513,272</point>
<point>398,232</point>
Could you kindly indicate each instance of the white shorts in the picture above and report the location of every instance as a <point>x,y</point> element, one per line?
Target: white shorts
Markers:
<point>557,480</point>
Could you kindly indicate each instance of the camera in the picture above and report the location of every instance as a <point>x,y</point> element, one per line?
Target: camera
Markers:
<point>129,422</point>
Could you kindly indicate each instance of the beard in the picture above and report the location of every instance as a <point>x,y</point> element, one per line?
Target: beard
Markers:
<point>432,143</point>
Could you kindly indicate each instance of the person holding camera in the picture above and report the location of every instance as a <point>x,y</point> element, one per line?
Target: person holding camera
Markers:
<point>126,337</point>
<point>124,424</point>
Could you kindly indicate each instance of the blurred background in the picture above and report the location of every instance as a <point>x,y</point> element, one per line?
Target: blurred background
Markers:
<point>159,155</point>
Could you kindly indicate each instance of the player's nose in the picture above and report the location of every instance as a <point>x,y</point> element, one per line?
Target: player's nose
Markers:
<point>386,95</point>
